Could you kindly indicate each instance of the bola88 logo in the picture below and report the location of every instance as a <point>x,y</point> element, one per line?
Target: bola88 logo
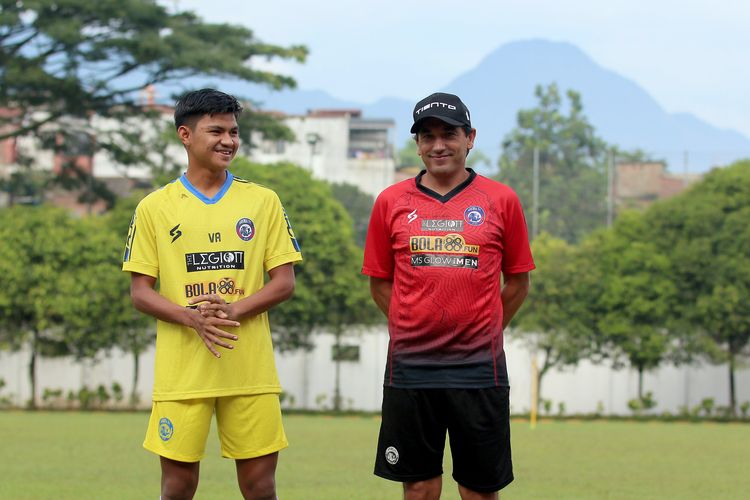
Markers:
<point>225,286</point>
<point>453,243</point>
<point>450,243</point>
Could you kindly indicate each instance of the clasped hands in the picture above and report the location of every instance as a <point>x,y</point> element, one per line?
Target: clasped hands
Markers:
<point>212,313</point>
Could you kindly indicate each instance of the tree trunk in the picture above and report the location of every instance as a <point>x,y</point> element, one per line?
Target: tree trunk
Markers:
<point>732,395</point>
<point>337,382</point>
<point>32,370</point>
<point>540,375</point>
<point>640,382</point>
<point>134,390</point>
<point>539,378</point>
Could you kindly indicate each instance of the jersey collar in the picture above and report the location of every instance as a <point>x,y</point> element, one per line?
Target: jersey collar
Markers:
<point>208,201</point>
<point>447,196</point>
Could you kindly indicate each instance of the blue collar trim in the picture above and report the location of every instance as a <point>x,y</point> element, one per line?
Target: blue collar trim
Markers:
<point>208,201</point>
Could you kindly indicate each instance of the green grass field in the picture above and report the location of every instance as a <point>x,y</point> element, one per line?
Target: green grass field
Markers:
<point>99,456</point>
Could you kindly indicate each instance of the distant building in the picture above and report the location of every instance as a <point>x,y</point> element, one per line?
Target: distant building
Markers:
<point>638,184</point>
<point>336,145</point>
<point>403,173</point>
<point>63,154</point>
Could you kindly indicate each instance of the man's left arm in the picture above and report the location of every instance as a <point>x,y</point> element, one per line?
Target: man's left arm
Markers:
<point>515,289</point>
<point>277,289</point>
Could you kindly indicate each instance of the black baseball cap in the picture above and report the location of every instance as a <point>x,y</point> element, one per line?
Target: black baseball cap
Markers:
<point>445,107</point>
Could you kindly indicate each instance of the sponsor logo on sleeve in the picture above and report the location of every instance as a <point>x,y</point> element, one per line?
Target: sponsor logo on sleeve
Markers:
<point>291,232</point>
<point>129,241</point>
<point>214,261</point>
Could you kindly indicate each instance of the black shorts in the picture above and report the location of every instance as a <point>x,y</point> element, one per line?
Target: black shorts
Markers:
<point>412,436</point>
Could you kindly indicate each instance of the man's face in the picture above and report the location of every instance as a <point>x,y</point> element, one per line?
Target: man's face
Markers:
<point>443,147</point>
<point>212,142</point>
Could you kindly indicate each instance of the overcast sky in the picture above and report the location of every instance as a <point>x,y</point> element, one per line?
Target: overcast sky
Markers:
<point>690,55</point>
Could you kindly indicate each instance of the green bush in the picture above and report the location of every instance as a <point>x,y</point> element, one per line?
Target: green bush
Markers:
<point>744,408</point>
<point>117,392</point>
<point>86,398</point>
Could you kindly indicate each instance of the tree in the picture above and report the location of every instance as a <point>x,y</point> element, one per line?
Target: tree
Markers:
<point>636,298</point>
<point>572,165</point>
<point>552,320</point>
<point>331,294</point>
<point>53,292</point>
<point>358,205</point>
<point>134,331</point>
<point>254,120</point>
<point>477,158</point>
<point>76,67</point>
<point>705,231</point>
<point>407,156</point>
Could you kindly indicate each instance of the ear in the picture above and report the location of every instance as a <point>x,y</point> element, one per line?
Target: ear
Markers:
<point>472,135</point>
<point>184,133</point>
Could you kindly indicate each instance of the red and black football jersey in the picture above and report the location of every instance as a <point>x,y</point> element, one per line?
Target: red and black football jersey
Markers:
<point>445,255</point>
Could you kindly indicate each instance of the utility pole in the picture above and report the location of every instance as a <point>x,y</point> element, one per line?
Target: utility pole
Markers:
<point>534,232</point>
<point>535,196</point>
<point>610,187</point>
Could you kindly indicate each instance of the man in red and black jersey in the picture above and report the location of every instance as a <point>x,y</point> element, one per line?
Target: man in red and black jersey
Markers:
<point>437,247</point>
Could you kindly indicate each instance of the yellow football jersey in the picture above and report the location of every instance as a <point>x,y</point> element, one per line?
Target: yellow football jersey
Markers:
<point>223,245</point>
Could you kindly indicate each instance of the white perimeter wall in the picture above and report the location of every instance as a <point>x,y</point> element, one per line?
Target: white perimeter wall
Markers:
<point>308,379</point>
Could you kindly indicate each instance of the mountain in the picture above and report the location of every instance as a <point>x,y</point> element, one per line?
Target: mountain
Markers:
<point>621,111</point>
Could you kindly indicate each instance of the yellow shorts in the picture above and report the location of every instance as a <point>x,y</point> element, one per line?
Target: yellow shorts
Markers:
<point>249,427</point>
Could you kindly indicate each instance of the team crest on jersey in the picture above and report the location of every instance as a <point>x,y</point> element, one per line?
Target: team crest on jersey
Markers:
<point>245,229</point>
<point>474,215</point>
<point>166,429</point>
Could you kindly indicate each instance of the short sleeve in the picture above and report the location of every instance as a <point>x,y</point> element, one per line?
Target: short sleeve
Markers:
<point>516,249</point>
<point>281,246</point>
<point>378,260</point>
<point>140,248</point>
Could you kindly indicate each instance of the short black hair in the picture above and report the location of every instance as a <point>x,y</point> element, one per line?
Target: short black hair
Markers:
<point>198,103</point>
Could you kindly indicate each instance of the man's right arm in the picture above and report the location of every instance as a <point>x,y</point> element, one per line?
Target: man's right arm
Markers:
<point>381,290</point>
<point>151,302</point>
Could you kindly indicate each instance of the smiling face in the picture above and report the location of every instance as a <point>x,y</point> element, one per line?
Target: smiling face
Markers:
<point>211,141</point>
<point>443,147</point>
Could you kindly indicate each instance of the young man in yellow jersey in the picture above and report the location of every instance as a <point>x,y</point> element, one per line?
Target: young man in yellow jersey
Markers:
<point>209,237</point>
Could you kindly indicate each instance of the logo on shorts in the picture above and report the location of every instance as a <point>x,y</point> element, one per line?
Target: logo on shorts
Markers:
<point>474,215</point>
<point>166,429</point>
<point>391,455</point>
